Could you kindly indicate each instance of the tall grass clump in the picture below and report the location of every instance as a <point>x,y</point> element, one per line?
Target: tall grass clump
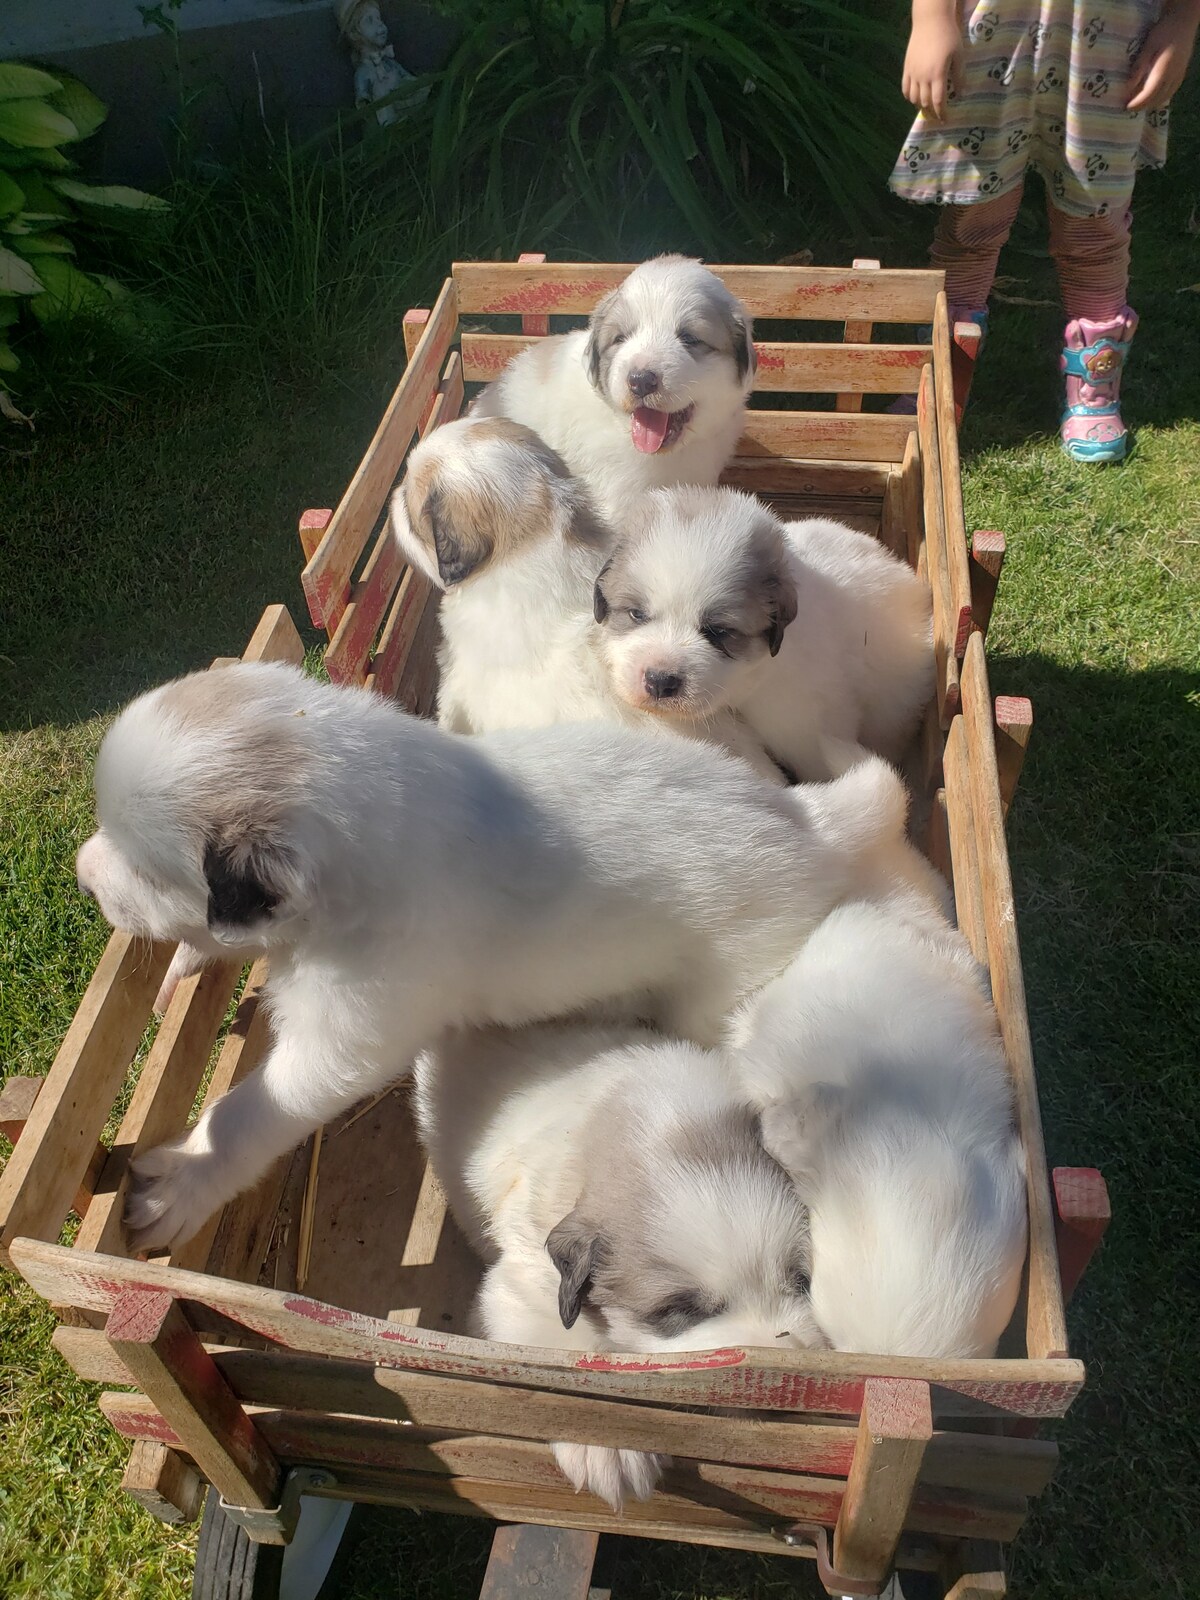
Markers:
<point>728,124</point>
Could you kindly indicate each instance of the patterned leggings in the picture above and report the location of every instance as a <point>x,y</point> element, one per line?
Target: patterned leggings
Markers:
<point>1091,254</point>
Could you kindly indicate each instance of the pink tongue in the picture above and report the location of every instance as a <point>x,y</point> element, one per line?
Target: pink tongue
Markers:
<point>650,429</point>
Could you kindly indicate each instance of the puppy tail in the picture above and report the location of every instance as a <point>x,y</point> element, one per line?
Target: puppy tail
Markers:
<point>865,805</point>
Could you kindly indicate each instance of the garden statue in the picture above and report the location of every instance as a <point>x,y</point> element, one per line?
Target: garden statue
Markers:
<point>377,73</point>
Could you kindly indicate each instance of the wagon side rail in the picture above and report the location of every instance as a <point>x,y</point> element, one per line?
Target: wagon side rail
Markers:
<point>58,1162</point>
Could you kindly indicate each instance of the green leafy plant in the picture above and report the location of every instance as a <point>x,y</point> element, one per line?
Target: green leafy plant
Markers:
<point>46,214</point>
<point>716,114</point>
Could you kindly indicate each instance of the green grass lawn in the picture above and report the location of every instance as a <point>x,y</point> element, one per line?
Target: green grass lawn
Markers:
<point>147,543</point>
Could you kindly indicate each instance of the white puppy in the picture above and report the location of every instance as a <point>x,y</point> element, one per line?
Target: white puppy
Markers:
<point>809,630</point>
<point>623,1197</point>
<point>652,392</point>
<point>877,1062</point>
<point>404,880</point>
<point>490,514</point>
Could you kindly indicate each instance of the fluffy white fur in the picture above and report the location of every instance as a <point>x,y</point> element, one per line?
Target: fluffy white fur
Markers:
<point>519,644</point>
<point>877,1062</point>
<point>624,1201</point>
<point>405,880</point>
<point>671,318</point>
<point>809,629</point>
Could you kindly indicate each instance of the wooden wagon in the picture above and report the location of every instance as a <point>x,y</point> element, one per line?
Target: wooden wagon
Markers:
<point>311,1340</point>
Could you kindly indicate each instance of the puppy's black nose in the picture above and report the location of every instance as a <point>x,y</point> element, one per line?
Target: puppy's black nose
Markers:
<point>662,685</point>
<point>643,383</point>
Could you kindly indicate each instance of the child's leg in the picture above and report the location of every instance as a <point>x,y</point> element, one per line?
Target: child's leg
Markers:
<point>967,244</point>
<point>1092,258</point>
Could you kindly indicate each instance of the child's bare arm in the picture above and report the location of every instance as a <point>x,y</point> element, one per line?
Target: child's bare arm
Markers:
<point>1163,60</point>
<point>934,55</point>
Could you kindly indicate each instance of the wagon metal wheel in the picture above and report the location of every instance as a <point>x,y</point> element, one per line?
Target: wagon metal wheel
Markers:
<point>231,1566</point>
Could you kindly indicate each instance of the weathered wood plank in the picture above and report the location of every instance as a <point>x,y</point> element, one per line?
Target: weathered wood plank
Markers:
<point>957,560</point>
<point>819,294</point>
<point>1082,1214</point>
<point>163,1483</point>
<point>893,1432</point>
<point>16,1105</point>
<point>987,562</point>
<point>864,481</point>
<point>964,855</point>
<point>847,370</point>
<point>326,578</point>
<point>1046,1333</point>
<point>154,1339</point>
<point>387,1447</point>
<point>58,1143</point>
<point>825,435</point>
<point>991,1464</point>
<point>857,330</point>
<point>769,1380</point>
<point>1014,726</point>
<point>555,1562</point>
<point>947,622</point>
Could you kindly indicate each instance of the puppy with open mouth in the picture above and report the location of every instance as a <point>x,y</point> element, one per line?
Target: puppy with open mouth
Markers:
<point>620,1191</point>
<point>810,631</point>
<point>651,393</point>
<point>491,515</point>
<point>403,881</point>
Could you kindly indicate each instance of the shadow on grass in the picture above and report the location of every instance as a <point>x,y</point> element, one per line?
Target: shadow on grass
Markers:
<point>1106,859</point>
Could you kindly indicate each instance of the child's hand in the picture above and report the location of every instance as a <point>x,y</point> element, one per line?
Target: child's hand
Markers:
<point>934,56</point>
<point>1163,60</point>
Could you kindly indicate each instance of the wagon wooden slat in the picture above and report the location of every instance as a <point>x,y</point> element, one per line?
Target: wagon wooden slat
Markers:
<point>372,1372</point>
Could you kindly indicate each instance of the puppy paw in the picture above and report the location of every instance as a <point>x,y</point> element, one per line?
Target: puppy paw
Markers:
<point>171,1195</point>
<point>614,1475</point>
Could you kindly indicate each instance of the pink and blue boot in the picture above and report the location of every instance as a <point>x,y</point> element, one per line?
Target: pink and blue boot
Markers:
<point>1093,358</point>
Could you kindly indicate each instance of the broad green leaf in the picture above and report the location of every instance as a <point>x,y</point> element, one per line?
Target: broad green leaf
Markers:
<point>19,82</point>
<point>17,276</point>
<point>21,160</point>
<point>109,197</point>
<point>42,202</point>
<point>8,358</point>
<point>12,196</point>
<point>34,125</point>
<point>68,292</point>
<point>76,101</point>
<point>44,244</point>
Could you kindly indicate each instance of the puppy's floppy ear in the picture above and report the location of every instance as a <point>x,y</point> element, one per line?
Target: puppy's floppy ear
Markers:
<point>600,606</point>
<point>741,331</point>
<point>248,879</point>
<point>576,1248</point>
<point>783,606</point>
<point>591,350</point>
<point>794,1131</point>
<point>459,545</point>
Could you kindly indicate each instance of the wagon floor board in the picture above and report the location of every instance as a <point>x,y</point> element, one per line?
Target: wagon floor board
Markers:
<point>387,1246</point>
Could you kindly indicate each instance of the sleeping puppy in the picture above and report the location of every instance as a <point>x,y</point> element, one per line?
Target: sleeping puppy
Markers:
<point>621,1193</point>
<point>651,393</point>
<point>490,514</point>
<point>404,880</point>
<point>809,630</point>
<point>877,1064</point>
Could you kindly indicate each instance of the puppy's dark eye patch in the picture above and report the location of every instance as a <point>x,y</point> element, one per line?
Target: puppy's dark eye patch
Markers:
<point>690,340</point>
<point>721,638</point>
<point>682,1311</point>
<point>636,617</point>
<point>617,338</point>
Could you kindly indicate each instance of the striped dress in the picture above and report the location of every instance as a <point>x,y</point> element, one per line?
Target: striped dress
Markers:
<point>1041,86</point>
